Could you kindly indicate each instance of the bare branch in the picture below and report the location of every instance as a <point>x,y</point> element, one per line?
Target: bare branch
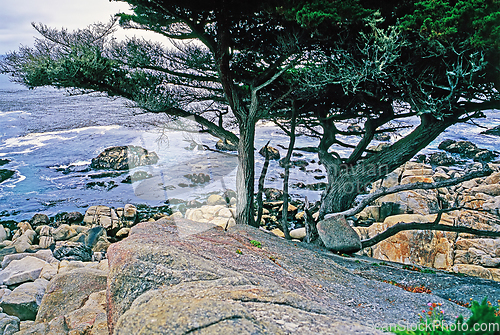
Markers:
<point>435,225</point>
<point>412,186</point>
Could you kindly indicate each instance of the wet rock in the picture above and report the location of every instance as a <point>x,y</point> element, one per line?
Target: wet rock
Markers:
<point>24,301</point>
<point>23,270</point>
<point>338,236</point>
<point>4,161</point>
<point>72,251</point>
<point>39,220</point>
<point>273,194</point>
<point>6,174</point>
<point>355,129</point>
<point>72,218</point>
<point>485,156</point>
<point>467,149</point>
<point>492,131</point>
<point>441,159</point>
<point>313,187</point>
<point>225,145</point>
<point>67,292</point>
<point>445,144</point>
<point>123,158</point>
<point>137,176</point>
<point>382,137</point>
<point>198,178</point>
<point>379,147</point>
<point>101,185</point>
<point>298,163</point>
<point>273,153</point>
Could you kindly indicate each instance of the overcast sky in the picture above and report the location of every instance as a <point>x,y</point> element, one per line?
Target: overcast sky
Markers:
<point>16,17</point>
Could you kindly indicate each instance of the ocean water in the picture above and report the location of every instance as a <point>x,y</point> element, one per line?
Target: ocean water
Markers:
<point>50,138</point>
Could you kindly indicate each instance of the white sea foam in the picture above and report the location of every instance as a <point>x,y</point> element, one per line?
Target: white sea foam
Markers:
<point>11,182</point>
<point>78,163</point>
<point>38,140</point>
<point>14,112</point>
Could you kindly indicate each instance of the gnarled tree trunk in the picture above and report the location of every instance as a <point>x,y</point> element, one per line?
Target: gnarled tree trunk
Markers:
<point>345,183</point>
<point>245,175</point>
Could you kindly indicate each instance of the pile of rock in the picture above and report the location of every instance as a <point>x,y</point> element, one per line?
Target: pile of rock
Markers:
<point>215,281</point>
<point>449,251</point>
<point>30,282</point>
<point>70,253</point>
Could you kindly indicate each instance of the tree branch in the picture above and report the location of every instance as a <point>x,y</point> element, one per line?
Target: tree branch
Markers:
<point>406,187</point>
<point>402,226</point>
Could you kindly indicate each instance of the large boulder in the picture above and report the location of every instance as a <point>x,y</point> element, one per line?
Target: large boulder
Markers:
<point>24,301</point>
<point>68,292</point>
<point>273,194</point>
<point>338,236</point>
<point>101,215</point>
<point>423,247</point>
<point>124,158</point>
<point>220,282</point>
<point>89,319</point>
<point>64,232</point>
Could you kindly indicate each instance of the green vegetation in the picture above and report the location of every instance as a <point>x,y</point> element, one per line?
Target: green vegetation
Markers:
<point>485,320</point>
<point>256,243</point>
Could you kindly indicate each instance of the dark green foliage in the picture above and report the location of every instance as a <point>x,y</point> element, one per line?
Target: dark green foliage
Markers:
<point>330,60</point>
<point>314,14</point>
<point>476,21</point>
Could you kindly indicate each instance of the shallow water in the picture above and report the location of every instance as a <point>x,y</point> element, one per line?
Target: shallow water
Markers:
<point>50,139</point>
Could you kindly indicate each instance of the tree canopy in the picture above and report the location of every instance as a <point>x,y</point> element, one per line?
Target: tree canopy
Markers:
<point>326,61</point>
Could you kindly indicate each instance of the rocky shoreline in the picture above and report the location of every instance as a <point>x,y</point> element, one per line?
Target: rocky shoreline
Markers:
<point>135,268</point>
<point>174,275</point>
